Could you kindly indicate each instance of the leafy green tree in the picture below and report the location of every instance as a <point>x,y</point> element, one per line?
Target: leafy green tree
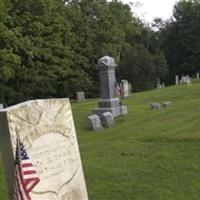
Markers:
<point>180,38</point>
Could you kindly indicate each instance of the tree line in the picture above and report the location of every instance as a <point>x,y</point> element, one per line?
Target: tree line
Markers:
<point>49,48</point>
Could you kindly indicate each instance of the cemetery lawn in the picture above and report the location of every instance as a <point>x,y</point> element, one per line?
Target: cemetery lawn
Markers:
<point>149,154</point>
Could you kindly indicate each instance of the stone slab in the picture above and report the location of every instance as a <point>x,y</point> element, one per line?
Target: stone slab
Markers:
<point>124,110</point>
<point>46,129</point>
<point>167,104</point>
<point>80,96</point>
<point>155,106</point>
<point>107,120</point>
<point>1,106</point>
<point>124,88</point>
<point>95,122</point>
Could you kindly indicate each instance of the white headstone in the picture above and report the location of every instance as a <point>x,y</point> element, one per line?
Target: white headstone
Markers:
<point>46,129</point>
<point>197,75</point>
<point>95,122</point>
<point>1,106</point>
<point>163,85</point>
<point>124,88</point>
<point>167,104</point>
<point>124,110</point>
<point>108,120</point>
<point>176,79</point>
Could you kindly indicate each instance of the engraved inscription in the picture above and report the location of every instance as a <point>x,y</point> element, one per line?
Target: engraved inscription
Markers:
<point>54,156</point>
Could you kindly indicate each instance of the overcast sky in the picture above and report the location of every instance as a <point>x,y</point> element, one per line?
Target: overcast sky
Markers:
<point>149,9</point>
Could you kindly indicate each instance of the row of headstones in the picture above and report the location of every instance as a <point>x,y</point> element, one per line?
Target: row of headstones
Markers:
<point>97,123</point>
<point>122,90</point>
<point>159,84</point>
<point>184,80</point>
<point>157,106</point>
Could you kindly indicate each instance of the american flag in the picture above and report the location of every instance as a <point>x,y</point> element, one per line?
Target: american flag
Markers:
<point>26,177</point>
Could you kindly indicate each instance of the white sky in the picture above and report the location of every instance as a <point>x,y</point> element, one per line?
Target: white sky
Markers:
<point>149,9</point>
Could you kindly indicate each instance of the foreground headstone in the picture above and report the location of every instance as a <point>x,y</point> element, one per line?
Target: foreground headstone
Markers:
<point>155,106</point>
<point>95,122</point>
<point>80,96</point>
<point>124,88</point>
<point>108,101</point>
<point>108,120</point>
<point>46,129</point>
<point>167,104</point>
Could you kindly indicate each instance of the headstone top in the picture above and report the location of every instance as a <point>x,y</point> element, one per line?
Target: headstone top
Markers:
<point>107,61</point>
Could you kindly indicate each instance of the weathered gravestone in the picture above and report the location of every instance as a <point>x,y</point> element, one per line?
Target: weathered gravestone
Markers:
<point>155,106</point>
<point>80,96</point>
<point>95,122</point>
<point>46,129</point>
<point>167,104</point>
<point>108,120</point>
<point>197,75</point>
<point>124,110</point>
<point>158,83</point>
<point>163,85</point>
<point>124,88</point>
<point>176,80</point>
<point>108,102</point>
<point>130,88</point>
<point>1,106</point>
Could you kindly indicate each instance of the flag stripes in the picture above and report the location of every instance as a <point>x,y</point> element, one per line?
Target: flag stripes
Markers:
<point>26,177</point>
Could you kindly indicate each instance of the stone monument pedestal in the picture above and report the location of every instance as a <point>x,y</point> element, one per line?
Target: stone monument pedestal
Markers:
<point>108,102</point>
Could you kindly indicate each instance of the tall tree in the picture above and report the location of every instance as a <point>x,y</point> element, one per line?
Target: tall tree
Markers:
<point>181,38</point>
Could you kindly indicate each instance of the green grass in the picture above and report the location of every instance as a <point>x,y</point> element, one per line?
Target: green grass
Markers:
<point>148,154</point>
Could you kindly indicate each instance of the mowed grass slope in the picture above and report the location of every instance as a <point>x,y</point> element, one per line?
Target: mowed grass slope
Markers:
<point>149,154</point>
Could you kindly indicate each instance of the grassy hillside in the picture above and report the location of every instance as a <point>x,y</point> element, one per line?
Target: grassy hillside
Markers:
<point>148,154</point>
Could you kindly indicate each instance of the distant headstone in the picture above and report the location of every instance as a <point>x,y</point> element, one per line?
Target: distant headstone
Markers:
<point>158,83</point>
<point>46,129</point>
<point>1,106</point>
<point>117,90</point>
<point>177,80</point>
<point>95,122</point>
<point>108,101</point>
<point>124,110</point>
<point>124,88</point>
<point>130,88</point>
<point>108,120</point>
<point>197,75</point>
<point>80,96</point>
<point>163,85</point>
<point>155,106</point>
<point>167,104</point>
